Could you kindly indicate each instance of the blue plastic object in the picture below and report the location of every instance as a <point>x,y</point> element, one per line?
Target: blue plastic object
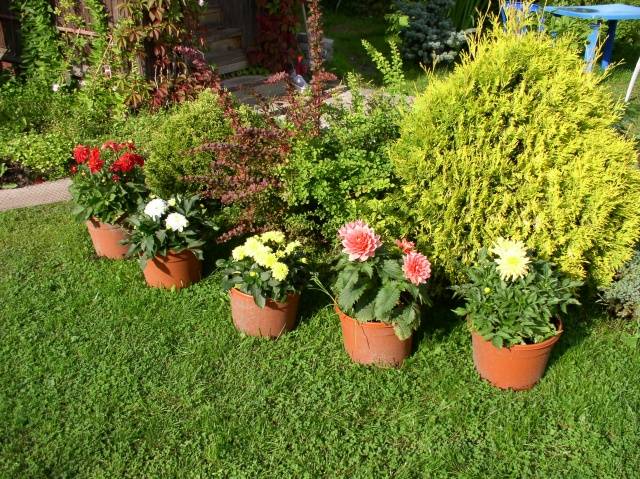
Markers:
<point>611,14</point>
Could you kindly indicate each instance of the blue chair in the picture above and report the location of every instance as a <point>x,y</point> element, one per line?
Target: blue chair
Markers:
<point>519,7</point>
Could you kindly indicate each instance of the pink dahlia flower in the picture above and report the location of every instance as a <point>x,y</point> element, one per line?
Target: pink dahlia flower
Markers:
<point>405,245</point>
<point>359,240</point>
<point>416,267</point>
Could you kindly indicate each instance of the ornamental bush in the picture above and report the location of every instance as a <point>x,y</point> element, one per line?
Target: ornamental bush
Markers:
<point>328,177</point>
<point>622,297</point>
<point>427,33</point>
<point>170,145</point>
<point>520,142</point>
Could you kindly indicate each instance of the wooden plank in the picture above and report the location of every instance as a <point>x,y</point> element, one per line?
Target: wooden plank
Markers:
<point>241,14</point>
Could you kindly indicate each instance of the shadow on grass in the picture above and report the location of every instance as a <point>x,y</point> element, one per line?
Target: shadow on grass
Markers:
<point>437,322</point>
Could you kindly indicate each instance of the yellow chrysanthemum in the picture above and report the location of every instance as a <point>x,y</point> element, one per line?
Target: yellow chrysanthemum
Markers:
<point>511,259</point>
<point>304,260</point>
<point>253,246</point>
<point>291,247</point>
<point>279,271</point>
<point>275,236</point>
<point>239,253</point>
<point>264,257</point>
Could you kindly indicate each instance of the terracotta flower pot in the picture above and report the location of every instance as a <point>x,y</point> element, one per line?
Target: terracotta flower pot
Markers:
<point>519,367</point>
<point>372,342</point>
<point>268,322</point>
<point>177,270</point>
<point>106,239</point>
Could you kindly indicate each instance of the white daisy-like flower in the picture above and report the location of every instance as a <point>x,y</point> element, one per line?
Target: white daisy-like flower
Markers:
<point>155,208</point>
<point>511,259</point>
<point>176,222</point>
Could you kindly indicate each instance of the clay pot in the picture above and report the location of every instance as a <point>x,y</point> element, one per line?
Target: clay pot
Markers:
<point>519,367</point>
<point>176,270</point>
<point>106,239</point>
<point>268,322</point>
<point>373,342</point>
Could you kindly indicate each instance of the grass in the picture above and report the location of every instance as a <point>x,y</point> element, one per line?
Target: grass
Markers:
<point>101,376</point>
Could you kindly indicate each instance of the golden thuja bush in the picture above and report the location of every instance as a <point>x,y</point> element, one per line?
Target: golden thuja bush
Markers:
<point>520,142</point>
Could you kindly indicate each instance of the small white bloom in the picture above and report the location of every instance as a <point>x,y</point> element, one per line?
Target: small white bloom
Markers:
<point>55,87</point>
<point>155,208</point>
<point>171,202</point>
<point>201,3</point>
<point>176,222</point>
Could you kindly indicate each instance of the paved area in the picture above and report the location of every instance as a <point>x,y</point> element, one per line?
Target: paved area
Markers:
<point>41,194</point>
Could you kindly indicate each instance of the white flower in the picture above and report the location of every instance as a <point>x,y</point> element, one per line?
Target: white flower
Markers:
<point>176,222</point>
<point>155,208</point>
<point>511,259</point>
<point>55,87</point>
<point>171,202</point>
<point>201,3</point>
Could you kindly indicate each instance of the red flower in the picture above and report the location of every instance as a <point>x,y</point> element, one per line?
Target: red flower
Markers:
<point>81,153</point>
<point>74,169</point>
<point>127,162</point>
<point>405,245</point>
<point>112,145</point>
<point>95,163</point>
<point>115,177</point>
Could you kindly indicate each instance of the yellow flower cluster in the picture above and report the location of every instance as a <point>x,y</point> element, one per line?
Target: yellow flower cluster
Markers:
<point>264,255</point>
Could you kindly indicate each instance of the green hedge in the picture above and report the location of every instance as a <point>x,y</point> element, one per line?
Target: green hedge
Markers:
<point>519,141</point>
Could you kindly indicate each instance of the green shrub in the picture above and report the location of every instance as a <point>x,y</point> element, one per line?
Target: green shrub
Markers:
<point>427,33</point>
<point>187,126</point>
<point>520,142</point>
<point>328,177</point>
<point>46,154</point>
<point>623,295</point>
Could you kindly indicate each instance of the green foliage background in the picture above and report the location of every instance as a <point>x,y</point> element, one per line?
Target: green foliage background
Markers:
<point>519,142</point>
<point>169,143</point>
<point>328,178</point>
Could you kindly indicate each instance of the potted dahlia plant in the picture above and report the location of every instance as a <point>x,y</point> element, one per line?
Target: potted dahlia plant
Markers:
<point>107,187</point>
<point>513,306</point>
<point>378,291</point>
<point>265,277</point>
<point>167,236</point>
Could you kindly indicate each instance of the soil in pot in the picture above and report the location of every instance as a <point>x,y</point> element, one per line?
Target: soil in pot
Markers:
<point>519,367</point>
<point>107,239</point>
<point>175,270</point>
<point>372,342</point>
<point>271,321</point>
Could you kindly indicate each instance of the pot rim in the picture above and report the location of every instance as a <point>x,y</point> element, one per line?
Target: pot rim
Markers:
<point>369,324</point>
<point>240,293</point>
<point>97,222</point>
<point>529,347</point>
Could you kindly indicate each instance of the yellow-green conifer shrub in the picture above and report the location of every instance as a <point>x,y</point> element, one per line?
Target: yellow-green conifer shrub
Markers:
<point>520,142</point>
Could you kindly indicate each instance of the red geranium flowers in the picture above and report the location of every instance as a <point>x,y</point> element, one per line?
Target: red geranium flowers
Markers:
<point>95,160</point>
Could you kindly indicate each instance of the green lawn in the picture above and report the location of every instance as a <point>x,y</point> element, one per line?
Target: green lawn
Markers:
<point>103,377</point>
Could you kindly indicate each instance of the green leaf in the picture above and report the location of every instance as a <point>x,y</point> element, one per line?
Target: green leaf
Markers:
<point>349,296</point>
<point>386,300</point>
<point>392,269</point>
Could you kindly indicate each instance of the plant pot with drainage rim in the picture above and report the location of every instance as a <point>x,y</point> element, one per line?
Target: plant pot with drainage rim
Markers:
<point>107,187</point>
<point>378,293</point>
<point>512,304</point>
<point>265,277</point>
<point>167,237</point>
